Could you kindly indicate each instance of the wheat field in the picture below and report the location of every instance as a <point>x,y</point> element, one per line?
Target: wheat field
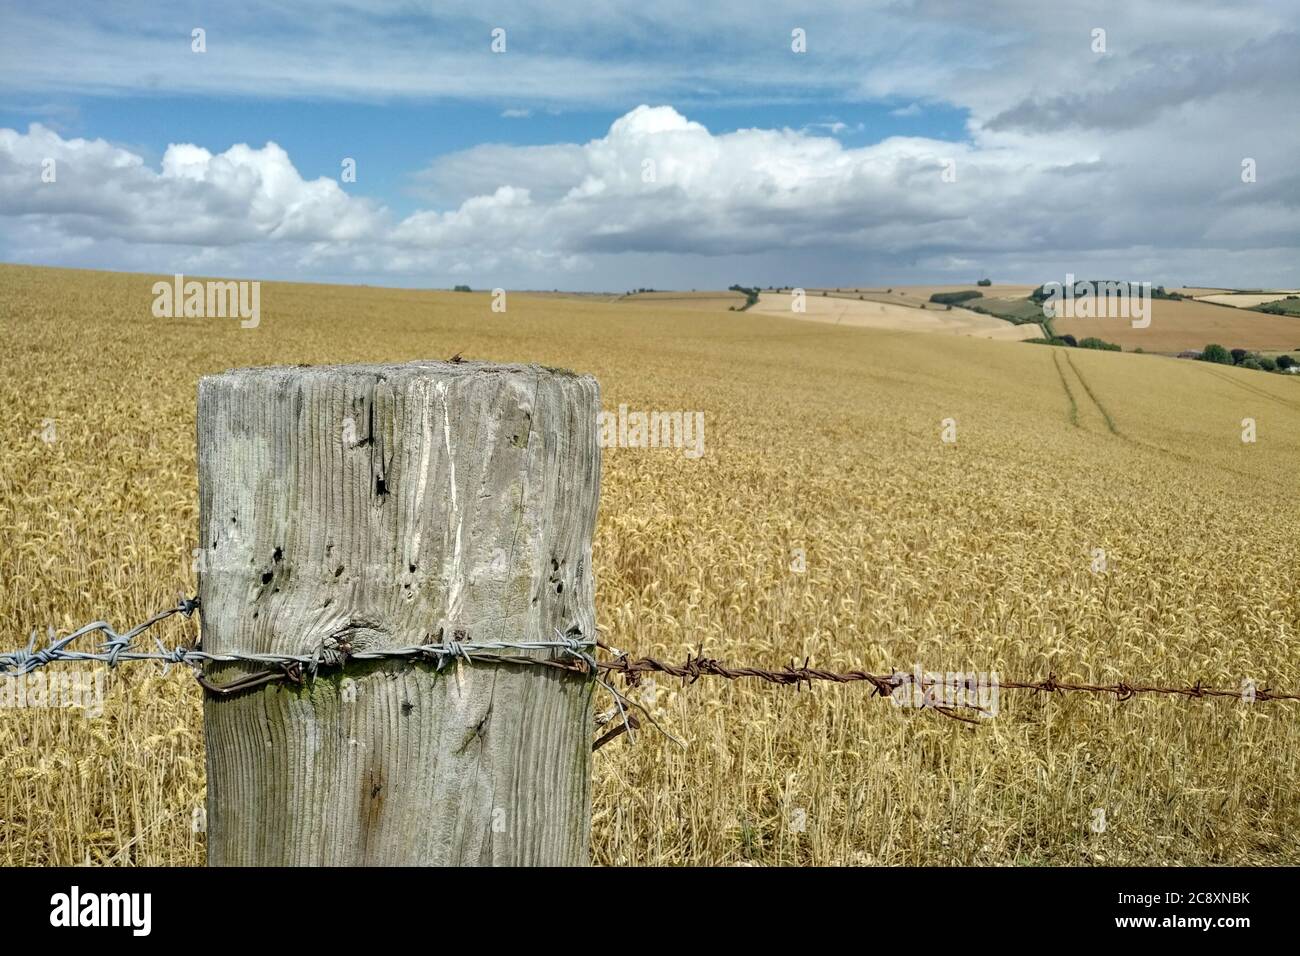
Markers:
<point>977,554</point>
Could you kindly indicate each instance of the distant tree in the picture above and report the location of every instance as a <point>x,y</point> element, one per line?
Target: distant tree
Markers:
<point>985,282</point>
<point>1069,340</point>
<point>751,295</point>
<point>1217,354</point>
<point>1285,362</point>
<point>1252,363</point>
<point>1239,356</point>
<point>1267,363</point>
<point>1092,342</point>
<point>948,298</point>
<point>462,288</point>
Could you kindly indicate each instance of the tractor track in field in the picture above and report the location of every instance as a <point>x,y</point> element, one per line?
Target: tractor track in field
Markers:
<point>1073,417</point>
<point>1110,422</point>
<point>1139,443</point>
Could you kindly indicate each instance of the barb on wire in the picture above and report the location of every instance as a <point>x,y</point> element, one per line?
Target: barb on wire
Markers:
<point>292,668</point>
<point>577,657</point>
<point>884,685</point>
<point>629,724</point>
<point>119,648</point>
<point>114,650</point>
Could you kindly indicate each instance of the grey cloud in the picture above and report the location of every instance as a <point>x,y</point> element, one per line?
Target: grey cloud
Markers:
<point>1169,77</point>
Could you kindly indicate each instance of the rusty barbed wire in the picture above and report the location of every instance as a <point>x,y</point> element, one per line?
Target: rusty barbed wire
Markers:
<point>885,685</point>
<point>577,658</point>
<point>697,666</point>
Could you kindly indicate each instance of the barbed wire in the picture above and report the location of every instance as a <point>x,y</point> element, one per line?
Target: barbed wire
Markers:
<point>118,648</point>
<point>114,650</point>
<point>699,666</point>
<point>886,685</point>
<point>577,657</point>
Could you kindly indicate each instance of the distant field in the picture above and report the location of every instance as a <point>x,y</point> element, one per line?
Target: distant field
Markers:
<point>887,296</point>
<point>1197,292</point>
<point>1244,300</point>
<point>709,301</point>
<point>915,297</point>
<point>1182,324</point>
<point>557,294</point>
<point>1001,291</point>
<point>884,315</point>
<point>1012,310</point>
<point>917,294</point>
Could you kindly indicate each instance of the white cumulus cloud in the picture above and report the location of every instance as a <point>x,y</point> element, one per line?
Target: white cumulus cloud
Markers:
<point>659,198</point>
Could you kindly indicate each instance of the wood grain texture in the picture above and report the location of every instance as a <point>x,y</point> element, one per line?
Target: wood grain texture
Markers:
<point>385,505</point>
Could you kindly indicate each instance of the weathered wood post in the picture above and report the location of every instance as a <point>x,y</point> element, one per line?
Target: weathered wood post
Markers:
<point>380,506</point>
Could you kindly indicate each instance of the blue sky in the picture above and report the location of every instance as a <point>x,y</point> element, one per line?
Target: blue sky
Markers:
<point>391,141</point>
<point>673,144</point>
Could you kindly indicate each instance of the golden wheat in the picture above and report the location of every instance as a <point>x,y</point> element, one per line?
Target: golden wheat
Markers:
<point>973,555</point>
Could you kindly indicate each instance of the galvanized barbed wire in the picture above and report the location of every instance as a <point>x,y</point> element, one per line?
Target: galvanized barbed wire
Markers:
<point>295,668</point>
<point>115,650</point>
<point>118,649</point>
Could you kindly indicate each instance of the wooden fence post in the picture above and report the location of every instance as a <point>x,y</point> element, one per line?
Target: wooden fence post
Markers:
<point>380,506</point>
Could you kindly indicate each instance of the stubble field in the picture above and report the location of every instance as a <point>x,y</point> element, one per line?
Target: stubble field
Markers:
<point>976,555</point>
<point>1246,300</point>
<point>887,316</point>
